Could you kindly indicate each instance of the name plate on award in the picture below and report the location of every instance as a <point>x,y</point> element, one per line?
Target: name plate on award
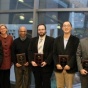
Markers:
<point>21,58</point>
<point>85,64</point>
<point>38,58</point>
<point>63,59</point>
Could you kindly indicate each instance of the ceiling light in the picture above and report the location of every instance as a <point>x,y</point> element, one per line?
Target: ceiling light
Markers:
<point>21,17</point>
<point>58,27</point>
<point>31,20</point>
<point>21,0</point>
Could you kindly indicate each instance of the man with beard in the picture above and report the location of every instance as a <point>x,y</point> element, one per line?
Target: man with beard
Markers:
<point>42,45</point>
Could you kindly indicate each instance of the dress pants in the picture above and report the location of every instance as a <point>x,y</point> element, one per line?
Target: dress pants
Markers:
<point>23,77</point>
<point>42,77</point>
<point>84,81</point>
<point>5,78</point>
<point>64,79</point>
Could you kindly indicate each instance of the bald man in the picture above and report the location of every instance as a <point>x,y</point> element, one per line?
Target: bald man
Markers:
<point>20,59</point>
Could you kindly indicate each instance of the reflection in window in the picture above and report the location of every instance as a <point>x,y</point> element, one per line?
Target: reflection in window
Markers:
<point>16,4</point>
<point>63,3</point>
<point>21,18</point>
<point>54,20</point>
<point>13,29</point>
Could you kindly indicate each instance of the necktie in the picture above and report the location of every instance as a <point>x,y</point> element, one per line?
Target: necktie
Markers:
<point>40,46</point>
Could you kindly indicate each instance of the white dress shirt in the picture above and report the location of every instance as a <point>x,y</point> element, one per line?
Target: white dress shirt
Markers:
<point>40,50</point>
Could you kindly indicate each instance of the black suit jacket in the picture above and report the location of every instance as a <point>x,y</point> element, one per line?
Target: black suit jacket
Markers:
<point>48,51</point>
<point>70,50</point>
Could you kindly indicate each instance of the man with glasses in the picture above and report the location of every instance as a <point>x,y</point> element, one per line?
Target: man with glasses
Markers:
<point>65,47</point>
<point>20,59</point>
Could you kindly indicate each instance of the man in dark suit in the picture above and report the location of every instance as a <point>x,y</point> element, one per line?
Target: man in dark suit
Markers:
<point>82,61</point>
<point>42,73</point>
<point>65,45</point>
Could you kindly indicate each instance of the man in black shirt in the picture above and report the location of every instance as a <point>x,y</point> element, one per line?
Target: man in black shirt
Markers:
<point>20,49</point>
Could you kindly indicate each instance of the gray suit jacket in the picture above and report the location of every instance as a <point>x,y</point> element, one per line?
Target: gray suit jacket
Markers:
<point>82,52</point>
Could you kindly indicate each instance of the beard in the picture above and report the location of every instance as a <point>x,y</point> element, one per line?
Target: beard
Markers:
<point>41,34</point>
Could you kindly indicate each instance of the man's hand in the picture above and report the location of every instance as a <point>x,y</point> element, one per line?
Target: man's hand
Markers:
<point>34,63</point>
<point>43,64</point>
<point>59,67</point>
<point>83,72</point>
<point>26,64</point>
<point>18,65</point>
<point>66,67</point>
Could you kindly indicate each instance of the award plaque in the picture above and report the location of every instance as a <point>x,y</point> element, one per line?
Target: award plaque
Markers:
<point>38,58</point>
<point>85,64</point>
<point>63,59</point>
<point>21,58</point>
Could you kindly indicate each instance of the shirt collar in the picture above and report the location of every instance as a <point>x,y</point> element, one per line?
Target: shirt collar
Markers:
<point>42,37</point>
<point>23,38</point>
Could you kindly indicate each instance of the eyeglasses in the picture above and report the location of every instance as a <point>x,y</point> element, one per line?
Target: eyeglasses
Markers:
<point>22,31</point>
<point>66,25</point>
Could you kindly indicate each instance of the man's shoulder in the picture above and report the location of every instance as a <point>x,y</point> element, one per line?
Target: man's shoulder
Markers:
<point>34,38</point>
<point>74,37</point>
<point>49,37</point>
<point>84,39</point>
<point>59,37</point>
<point>16,40</point>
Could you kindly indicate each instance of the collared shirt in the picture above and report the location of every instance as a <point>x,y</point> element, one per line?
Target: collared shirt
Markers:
<point>41,44</point>
<point>65,42</point>
<point>23,38</point>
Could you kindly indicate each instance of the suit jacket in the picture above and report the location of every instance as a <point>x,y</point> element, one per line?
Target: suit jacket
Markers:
<point>82,52</point>
<point>47,49</point>
<point>70,50</point>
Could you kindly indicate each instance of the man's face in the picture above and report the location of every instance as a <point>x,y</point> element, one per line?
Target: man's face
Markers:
<point>41,30</point>
<point>66,27</point>
<point>22,32</point>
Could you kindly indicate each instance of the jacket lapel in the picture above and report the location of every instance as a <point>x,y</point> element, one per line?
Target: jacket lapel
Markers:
<point>68,43</point>
<point>36,43</point>
<point>62,44</point>
<point>45,43</point>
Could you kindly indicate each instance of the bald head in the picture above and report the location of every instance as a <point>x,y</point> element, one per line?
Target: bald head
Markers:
<point>22,28</point>
<point>22,31</point>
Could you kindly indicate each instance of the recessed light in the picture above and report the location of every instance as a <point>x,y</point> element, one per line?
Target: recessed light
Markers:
<point>21,0</point>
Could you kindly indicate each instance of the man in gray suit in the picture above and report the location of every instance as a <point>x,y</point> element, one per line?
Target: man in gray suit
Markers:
<point>82,61</point>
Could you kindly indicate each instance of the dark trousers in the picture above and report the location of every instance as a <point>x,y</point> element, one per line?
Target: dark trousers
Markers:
<point>42,78</point>
<point>23,78</point>
<point>4,78</point>
<point>84,81</point>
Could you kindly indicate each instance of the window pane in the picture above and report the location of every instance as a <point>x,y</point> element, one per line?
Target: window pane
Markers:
<point>54,20</point>
<point>16,4</point>
<point>14,21</point>
<point>17,18</point>
<point>63,3</point>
